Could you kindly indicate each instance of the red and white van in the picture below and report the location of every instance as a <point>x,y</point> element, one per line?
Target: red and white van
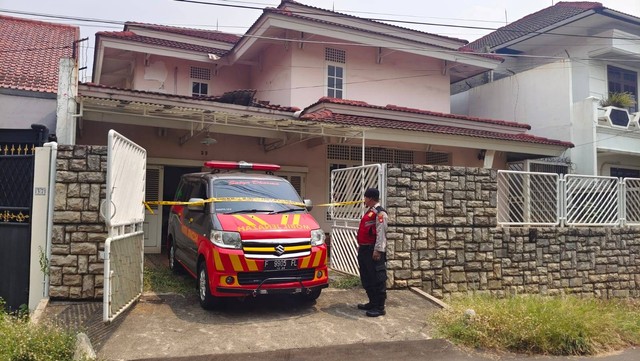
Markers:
<point>253,235</point>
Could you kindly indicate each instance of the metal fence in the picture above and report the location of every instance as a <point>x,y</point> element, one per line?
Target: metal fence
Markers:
<point>547,199</point>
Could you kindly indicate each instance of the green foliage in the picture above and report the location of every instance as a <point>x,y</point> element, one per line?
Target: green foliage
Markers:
<point>162,280</point>
<point>619,99</point>
<point>564,325</point>
<point>23,341</point>
<point>44,262</point>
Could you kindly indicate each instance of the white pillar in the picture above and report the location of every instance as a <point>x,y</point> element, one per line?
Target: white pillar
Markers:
<point>66,105</point>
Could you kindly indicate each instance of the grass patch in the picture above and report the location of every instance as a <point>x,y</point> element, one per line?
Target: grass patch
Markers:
<point>163,280</point>
<point>564,325</point>
<point>344,281</point>
<point>23,341</point>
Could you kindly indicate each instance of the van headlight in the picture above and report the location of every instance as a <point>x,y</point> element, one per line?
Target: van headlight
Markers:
<point>226,239</point>
<point>317,237</point>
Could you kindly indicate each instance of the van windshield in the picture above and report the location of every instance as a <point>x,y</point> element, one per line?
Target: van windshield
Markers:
<point>255,189</point>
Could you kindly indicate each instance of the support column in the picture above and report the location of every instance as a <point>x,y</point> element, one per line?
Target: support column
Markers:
<point>66,104</point>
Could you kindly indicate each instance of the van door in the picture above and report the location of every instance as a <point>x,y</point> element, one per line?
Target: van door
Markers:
<point>198,222</point>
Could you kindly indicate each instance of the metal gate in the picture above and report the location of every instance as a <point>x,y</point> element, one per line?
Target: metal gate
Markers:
<point>123,211</point>
<point>17,154</point>
<point>348,186</point>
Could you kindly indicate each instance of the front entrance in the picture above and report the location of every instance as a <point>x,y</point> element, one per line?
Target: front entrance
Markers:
<point>17,155</point>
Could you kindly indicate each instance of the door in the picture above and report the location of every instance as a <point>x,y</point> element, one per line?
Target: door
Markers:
<point>152,225</point>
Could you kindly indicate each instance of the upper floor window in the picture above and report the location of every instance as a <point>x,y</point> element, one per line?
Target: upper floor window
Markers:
<point>623,80</point>
<point>336,59</point>
<point>199,81</point>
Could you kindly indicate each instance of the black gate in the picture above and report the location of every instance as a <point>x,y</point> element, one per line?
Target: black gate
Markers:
<point>17,155</point>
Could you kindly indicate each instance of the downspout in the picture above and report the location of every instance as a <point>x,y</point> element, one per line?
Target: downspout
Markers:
<point>50,207</point>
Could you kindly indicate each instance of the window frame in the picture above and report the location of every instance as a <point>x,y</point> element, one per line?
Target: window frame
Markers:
<point>621,83</point>
<point>199,81</point>
<point>327,76</point>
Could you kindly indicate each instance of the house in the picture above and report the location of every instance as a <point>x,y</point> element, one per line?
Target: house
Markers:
<point>29,68</point>
<point>31,54</point>
<point>307,88</point>
<point>559,63</point>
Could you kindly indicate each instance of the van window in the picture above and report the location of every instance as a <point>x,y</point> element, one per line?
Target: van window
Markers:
<point>254,188</point>
<point>184,191</point>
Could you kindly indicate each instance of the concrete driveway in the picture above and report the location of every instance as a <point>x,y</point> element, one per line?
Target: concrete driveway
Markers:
<point>174,326</point>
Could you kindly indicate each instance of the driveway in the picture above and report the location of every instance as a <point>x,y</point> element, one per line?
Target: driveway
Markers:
<point>175,326</point>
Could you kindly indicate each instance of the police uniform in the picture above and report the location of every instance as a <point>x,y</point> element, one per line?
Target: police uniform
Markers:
<point>372,235</point>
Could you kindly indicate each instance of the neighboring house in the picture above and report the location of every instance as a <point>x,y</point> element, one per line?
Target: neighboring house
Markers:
<point>559,62</point>
<point>305,88</point>
<point>30,53</point>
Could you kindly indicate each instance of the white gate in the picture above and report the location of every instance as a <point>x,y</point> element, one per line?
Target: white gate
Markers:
<point>123,211</point>
<point>347,186</point>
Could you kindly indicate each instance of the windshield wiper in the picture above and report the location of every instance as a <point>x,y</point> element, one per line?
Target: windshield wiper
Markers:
<point>251,211</point>
<point>288,210</point>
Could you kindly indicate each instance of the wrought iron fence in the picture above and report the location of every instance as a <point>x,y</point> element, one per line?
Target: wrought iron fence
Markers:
<point>547,199</point>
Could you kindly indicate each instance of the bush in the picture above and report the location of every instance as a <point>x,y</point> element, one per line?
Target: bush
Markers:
<point>542,325</point>
<point>619,99</point>
<point>23,341</point>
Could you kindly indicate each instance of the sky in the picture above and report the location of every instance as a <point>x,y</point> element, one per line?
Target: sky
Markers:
<point>235,16</point>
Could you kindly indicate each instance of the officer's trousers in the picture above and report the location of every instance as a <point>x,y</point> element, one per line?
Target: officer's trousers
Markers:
<point>373,275</point>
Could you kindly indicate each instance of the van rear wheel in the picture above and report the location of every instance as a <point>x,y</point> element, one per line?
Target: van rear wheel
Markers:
<point>207,300</point>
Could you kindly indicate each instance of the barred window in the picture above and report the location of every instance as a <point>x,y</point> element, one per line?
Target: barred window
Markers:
<point>438,158</point>
<point>200,73</point>
<point>372,155</point>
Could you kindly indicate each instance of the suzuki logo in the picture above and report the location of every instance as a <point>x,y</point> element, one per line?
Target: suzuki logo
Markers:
<point>279,250</point>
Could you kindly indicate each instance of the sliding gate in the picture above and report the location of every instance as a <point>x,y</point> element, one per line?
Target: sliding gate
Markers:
<point>347,194</point>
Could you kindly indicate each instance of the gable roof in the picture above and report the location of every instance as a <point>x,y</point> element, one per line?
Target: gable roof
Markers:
<point>131,36</point>
<point>30,53</point>
<point>196,33</point>
<point>533,23</point>
<point>436,126</point>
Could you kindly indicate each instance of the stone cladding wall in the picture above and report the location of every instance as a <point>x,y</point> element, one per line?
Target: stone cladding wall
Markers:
<point>76,263</point>
<point>444,239</point>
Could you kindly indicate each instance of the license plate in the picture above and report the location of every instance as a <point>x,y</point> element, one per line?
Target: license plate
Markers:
<point>280,264</point>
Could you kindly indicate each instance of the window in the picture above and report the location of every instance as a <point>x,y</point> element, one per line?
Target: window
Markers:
<point>625,172</point>
<point>200,88</point>
<point>335,72</point>
<point>623,80</point>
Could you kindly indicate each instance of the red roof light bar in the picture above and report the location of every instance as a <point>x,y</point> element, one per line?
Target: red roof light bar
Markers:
<point>220,164</point>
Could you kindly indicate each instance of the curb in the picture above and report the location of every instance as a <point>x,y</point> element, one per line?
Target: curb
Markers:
<point>36,316</point>
<point>84,350</point>
<point>430,298</point>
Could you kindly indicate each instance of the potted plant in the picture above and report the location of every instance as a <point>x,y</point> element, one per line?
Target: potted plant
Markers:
<point>616,109</point>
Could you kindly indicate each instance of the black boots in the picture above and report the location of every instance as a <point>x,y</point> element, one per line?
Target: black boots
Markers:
<point>365,306</point>
<point>375,312</point>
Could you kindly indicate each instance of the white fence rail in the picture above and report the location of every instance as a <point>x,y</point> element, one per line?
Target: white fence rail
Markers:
<point>123,270</point>
<point>547,199</point>
<point>349,185</point>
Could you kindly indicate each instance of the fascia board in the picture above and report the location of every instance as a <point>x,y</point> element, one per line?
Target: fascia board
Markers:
<point>378,27</point>
<point>97,61</point>
<point>179,38</point>
<point>421,118</point>
<point>155,50</point>
<point>462,142</point>
<point>368,39</point>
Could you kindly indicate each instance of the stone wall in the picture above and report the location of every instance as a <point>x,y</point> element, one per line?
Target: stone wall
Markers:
<point>76,264</point>
<point>443,238</point>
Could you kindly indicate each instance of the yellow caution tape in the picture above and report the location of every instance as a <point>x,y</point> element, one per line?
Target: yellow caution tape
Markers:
<point>241,199</point>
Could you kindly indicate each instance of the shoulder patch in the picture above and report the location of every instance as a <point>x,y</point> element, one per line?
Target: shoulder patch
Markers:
<point>380,217</point>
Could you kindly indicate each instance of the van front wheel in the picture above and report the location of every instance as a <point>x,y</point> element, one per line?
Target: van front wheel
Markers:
<point>312,296</point>
<point>207,300</point>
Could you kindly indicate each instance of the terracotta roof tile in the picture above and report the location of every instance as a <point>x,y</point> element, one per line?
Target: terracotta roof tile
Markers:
<point>359,103</point>
<point>327,116</point>
<point>131,36</point>
<point>30,53</point>
<point>196,33</point>
<point>533,23</point>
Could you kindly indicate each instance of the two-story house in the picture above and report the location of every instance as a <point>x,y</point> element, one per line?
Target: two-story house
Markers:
<point>559,63</point>
<point>306,88</point>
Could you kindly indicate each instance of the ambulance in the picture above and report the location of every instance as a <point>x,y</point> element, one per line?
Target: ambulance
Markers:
<point>241,233</point>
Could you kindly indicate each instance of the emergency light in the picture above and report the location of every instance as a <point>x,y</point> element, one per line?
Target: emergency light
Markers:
<point>220,164</point>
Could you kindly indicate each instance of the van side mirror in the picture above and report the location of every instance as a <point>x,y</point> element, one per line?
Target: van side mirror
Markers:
<point>308,204</point>
<point>196,207</point>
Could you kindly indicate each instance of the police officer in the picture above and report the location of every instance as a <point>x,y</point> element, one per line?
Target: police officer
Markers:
<point>372,244</point>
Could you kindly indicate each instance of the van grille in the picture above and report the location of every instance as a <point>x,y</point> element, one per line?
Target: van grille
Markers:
<point>254,278</point>
<point>276,249</point>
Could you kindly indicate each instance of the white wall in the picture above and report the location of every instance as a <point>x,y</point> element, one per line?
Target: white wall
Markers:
<point>19,112</point>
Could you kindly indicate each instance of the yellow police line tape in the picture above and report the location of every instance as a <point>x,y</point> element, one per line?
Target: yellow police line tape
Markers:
<point>241,199</point>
